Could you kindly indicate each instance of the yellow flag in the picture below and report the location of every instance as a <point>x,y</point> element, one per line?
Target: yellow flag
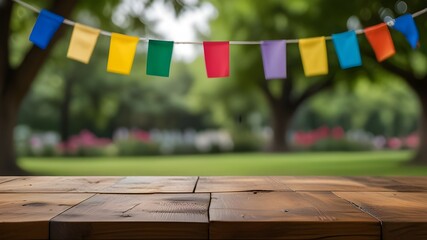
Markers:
<point>122,53</point>
<point>314,56</point>
<point>83,40</point>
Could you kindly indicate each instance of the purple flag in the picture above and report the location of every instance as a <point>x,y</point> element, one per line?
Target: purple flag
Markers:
<point>274,58</point>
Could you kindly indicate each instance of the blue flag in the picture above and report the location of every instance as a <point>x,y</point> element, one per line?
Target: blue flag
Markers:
<point>347,49</point>
<point>46,26</point>
<point>406,25</point>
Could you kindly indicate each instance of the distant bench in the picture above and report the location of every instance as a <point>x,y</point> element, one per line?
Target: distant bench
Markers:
<point>213,208</point>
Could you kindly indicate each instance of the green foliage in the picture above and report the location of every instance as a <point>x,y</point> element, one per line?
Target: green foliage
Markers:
<point>383,108</point>
<point>367,97</point>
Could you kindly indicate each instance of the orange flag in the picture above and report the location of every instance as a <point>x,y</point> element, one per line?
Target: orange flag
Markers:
<point>381,42</point>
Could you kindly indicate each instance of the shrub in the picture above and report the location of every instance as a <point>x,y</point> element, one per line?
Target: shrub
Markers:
<point>133,147</point>
<point>246,142</point>
<point>98,151</point>
<point>330,144</point>
<point>185,149</point>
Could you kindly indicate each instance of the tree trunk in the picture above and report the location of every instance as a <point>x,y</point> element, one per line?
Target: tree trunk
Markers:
<point>16,82</point>
<point>420,157</point>
<point>65,113</point>
<point>8,116</point>
<point>280,124</point>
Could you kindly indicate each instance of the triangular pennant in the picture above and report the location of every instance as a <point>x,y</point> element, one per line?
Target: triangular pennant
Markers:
<point>83,41</point>
<point>406,25</point>
<point>45,27</point>
<point>122,53</point>
<point>381,42</point>
<point>274,59</point>
<point>217,59</point>
<point>159,58</point>
<point>347,49</point>
<point>314,56</point>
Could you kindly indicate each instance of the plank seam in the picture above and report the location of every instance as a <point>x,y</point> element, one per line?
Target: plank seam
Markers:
<point>209,216</point>
<point>50,220</point>
<point>365,211</point>
<point>195,185</point>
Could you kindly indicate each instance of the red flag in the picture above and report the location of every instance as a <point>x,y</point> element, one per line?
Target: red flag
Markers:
<point>217,59</point>
<point>381,42</point>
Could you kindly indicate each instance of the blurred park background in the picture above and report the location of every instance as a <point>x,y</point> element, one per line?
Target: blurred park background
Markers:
<point>76,119</point>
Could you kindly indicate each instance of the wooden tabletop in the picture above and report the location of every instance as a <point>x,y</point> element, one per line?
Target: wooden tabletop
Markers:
<point>274,207</point>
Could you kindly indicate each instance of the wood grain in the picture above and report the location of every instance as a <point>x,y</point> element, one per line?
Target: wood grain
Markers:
<point>288,215</point>
<point>278,207</point>
<point>403,214</point>
<point>153,185</point>
<point>141,216</point>
<point>58,184</point>
<point>394,184</point>
<point>412,184</point>
<point>240,184</point>
<point>26,216</point>
<point>323,183</point>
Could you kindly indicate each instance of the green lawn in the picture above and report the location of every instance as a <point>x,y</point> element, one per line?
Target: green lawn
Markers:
<point>337,163</point>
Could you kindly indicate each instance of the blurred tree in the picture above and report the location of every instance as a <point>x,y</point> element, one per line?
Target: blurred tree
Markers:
<point>408,64</point>
<point>15,82</point>
<point>386,107</point>
<point>87,97</point>
<point>275,19</point>
<point>20,66</point>
<point>270,20</point>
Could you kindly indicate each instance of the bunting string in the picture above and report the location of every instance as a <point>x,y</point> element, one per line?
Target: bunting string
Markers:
<point>313,51</point>
<point>106,33</point>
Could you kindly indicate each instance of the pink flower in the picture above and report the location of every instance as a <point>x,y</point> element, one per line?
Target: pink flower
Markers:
<point>337,132</point>
<point>394,143</point>
<point>412,141</point>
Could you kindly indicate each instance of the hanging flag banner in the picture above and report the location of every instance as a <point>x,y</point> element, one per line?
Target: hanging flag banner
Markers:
<point>347,49</point>
<point>274,59</point>
<point>159,57</point>
<point>380,40</point>
<point>217,59</point>
<point>46,26</point>
<point>83,41</point>
<point>406,25</point>
<point>122,53</point>
<point>313,51</point>
<point>314,56</point>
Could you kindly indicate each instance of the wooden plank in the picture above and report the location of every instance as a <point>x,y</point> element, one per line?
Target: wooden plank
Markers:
<point>26,216</point>
<point>58,184</point>
<point>387,183</point>
<point>288,215</point>
<point>412,184</point>
<point>324,183</point>
<point>155,216</point>
<point>153,185</point>
<point>394,184</point>
<point>403,214</point>
<point>240,184</point>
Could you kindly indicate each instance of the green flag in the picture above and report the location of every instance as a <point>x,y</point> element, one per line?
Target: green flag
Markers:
<point>159,57</point>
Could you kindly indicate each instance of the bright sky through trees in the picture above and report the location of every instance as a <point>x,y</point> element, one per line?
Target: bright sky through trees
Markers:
<point>185,27</point>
